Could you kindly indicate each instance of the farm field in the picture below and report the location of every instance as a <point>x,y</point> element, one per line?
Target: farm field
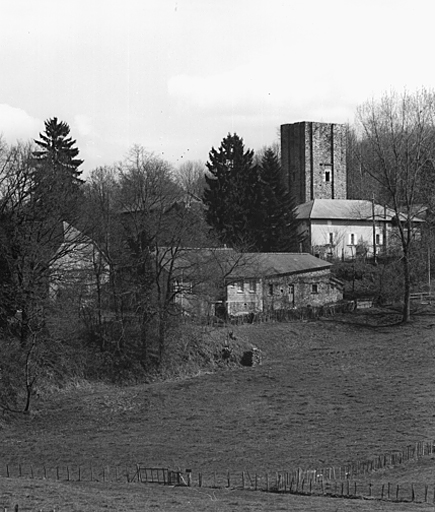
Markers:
<point>328,392</point>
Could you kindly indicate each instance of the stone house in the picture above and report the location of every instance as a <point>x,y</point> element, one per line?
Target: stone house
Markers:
<point>272,281</point>
<point>212,281</point>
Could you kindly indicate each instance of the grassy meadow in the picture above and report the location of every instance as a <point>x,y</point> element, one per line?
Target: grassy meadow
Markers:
<point>328,392</point>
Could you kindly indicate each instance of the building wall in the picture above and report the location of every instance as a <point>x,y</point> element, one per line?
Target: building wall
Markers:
<point>300,290</point>
<point>245,296</point>
<point>283,292</point>
<point>313,158</point>
<point>343,243</point>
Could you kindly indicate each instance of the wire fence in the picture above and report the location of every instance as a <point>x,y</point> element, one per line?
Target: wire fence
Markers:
<point>352,480</point>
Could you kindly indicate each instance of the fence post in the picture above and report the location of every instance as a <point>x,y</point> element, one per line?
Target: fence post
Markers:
<point>228,478</point>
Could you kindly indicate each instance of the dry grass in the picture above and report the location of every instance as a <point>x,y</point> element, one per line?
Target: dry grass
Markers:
<point>328,392</point>
<point>33,495</point>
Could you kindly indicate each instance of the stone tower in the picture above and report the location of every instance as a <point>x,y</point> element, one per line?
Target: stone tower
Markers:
<point>313,157</point>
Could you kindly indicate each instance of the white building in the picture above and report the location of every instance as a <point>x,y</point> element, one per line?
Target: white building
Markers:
<point>345,228</point>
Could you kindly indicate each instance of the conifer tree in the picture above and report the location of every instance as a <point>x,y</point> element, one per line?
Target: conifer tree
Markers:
<point>56,178</point>
<point>276,226</point>
<point>232,193</point>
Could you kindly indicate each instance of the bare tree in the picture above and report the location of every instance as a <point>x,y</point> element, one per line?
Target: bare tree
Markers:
<point>397,146</point>
<point>190,176</point>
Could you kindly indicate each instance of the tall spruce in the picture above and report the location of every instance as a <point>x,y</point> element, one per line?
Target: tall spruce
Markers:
<point>275,212</point>
<point>56,178</point>
<point>232,193</point>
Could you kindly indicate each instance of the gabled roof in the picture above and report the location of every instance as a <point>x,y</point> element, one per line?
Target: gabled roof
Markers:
<point>343,209</point>
<point>230,264</point>
<point>275,264</point>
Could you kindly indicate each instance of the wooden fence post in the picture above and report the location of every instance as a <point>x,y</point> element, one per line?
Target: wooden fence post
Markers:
<point>228,478</point>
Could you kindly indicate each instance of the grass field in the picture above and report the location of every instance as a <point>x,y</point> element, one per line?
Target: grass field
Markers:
<point>328,392</point>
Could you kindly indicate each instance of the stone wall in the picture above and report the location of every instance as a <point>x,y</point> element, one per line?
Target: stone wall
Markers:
<point>300,290</point>
<point>313,158</point>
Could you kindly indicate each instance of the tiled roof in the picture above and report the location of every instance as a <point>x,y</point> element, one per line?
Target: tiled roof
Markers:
<point>272,264</point>
<point>233,265</point>
<point>353,209</point>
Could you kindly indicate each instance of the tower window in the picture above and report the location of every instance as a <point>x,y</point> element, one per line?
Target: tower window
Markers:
<point>327,176</point>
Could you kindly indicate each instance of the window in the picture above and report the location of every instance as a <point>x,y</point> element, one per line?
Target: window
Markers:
<point>331,238</point>
<point>327,172</point>
<point>239,286</point>
<point>378,239</point>
<point>252,283</point>
<point>314,288</point>
<point>271,289</point>
<point>352,239</point>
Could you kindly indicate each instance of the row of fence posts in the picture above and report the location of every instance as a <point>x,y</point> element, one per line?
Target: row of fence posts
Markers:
<point>336,480</point>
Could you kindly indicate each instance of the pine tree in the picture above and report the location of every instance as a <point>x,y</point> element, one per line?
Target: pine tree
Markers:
<point>231,193</point>
<point>275,212</point>
<point>56,178</point>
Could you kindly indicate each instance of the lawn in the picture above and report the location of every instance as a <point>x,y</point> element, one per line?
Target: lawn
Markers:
<point>328,392</point>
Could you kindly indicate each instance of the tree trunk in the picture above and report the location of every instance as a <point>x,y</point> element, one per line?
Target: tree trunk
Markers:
<point>406,314</point>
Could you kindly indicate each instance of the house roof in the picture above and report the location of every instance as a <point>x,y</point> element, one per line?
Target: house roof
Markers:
<point>273,264</point>
<point>342,209</point>
<point>349,209</point>
<point>230,264</point>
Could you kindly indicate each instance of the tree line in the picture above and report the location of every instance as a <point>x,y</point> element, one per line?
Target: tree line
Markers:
<point>91,270</point>
<point>93,267</point>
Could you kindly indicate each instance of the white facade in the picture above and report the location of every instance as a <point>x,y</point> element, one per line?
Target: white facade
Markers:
<point>334,228</point>
<point>340,238</point>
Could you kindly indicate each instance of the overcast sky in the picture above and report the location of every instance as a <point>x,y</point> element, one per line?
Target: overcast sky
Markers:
<point>177,75</point>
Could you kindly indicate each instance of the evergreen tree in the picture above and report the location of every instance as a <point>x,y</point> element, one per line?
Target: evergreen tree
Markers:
<point>275,213</point>
<point>232,193</point>
<point>56,178</point>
